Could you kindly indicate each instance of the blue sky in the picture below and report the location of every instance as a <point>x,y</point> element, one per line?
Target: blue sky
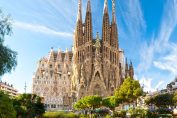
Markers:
<point>147,33</point>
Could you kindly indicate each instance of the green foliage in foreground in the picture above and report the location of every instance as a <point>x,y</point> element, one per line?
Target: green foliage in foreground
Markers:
<point>8,59</point>
<point>110,102</point>
<point>161,100</point>
<point>129,91</point>
<point>175,98</point>
<point>90,102</point>
<point>28,106</point>
<point>60,115</point>
<point>6,106</point>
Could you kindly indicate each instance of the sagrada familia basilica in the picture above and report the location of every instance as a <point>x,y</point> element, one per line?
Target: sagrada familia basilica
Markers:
<point>95,66</point>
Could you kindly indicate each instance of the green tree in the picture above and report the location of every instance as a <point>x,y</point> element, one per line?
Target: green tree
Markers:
<point>80,105</point>
<point>129,91</point>
<point>7,56</point>
<point>6,106</point>
<point>90,102</point>
<point>29,106</point>
<point>93,101</point>
<point>110,102</point>
<point>161,100</point>
<point>175,98</point>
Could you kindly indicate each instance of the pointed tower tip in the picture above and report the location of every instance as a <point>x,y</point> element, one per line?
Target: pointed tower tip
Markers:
<point>79,15</point>
<point>105,6</point>
<point>113,11</point>
<point>97,36</point>
<point>51,50</point>
<point>88,6</point>
<point>59,50</point>
<point>66,50</point>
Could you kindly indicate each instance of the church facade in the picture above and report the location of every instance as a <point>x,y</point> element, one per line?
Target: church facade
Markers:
<point>52,80</point>
<point>95,66</point>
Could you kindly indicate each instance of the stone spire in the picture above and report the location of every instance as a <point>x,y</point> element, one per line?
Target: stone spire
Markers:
<point>131,70</point>
<point>126,69</point>
<point>114,31</point>
<point>97,43</point>
<point>79,15</point>
<point>105,7</point>
<point>88,23</point>
<point>78,35</point>
<point>59,55</point>
<point>66,55</point>
<point>51,55</point>
<point>88,6</point>
<point>113,12</point>
<point>106,25</point>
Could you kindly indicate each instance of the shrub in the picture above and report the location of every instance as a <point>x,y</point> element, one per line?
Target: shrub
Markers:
<point>60,115</point>
<point>164,111</point>
<point>71,115</point>
<point>141,113</point>
<point>108,116</point>
<point>121,114</point>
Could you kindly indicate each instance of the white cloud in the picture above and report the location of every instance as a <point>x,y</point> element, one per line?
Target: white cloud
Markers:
<point>41,29</point>
<point>160,44</point>
<point>169,61</point>
<point>133,18</point>
<point>147,84</point>
<point>160,53</point>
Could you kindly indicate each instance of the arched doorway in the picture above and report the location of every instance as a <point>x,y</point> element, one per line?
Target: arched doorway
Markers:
<point>97,90</point>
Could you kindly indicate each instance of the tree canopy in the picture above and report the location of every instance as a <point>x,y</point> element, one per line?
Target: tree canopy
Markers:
<point>175,98</point>
<point>161,100</point>
<point>129,90</point>
<point>90,102</point>
<point>6,106</point>
<point>28,105</point>
<point>7,56</point>
<point>110,102</point>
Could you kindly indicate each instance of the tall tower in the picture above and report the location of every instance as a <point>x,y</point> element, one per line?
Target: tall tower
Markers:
<point>78,34</point>
<point>114,44</point>
<point>105,27</point>
<point>88,34</point>
<point>114,32</point>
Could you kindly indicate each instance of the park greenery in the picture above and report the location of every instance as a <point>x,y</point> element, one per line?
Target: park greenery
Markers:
<point>22,106</point>
<point>7,56</point>
<point>6,106</point>
<point>28,105</point>
<point>129,91</point>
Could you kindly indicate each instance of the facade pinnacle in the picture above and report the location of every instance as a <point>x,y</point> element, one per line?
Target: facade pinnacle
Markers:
<point>88,6</point>
<point>113,11</point>
<point>105,6</point>
<point>79,15</point>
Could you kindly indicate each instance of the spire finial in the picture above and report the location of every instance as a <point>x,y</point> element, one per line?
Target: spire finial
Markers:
<point>25,87</point>
<point>113,11</point>
<point>97,43</point>
<point>59,50</point>
<point>97,36</point>
<point>88,6</point>
<point>79,17</point>
<point>105,6</point>
<point>51,50</point>
<point>66,50</point>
